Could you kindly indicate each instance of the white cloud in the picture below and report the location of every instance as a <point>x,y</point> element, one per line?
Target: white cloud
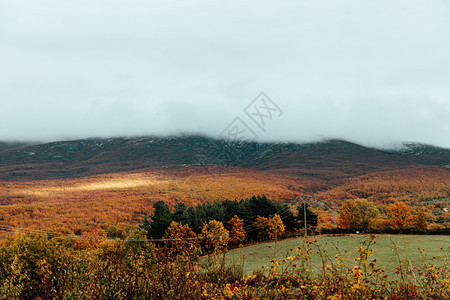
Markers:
<point>371,71</point>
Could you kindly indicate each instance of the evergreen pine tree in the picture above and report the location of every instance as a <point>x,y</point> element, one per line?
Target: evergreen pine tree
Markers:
<point>161,219</point>
<point>179,215</point>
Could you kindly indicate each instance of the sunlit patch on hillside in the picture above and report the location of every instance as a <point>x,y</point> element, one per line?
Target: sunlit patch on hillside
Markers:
<point>106,184</point>
<point>122,199</point>
<point>61,187</point>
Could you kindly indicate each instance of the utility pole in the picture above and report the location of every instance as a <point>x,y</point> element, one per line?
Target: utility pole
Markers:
<point>334,214</point>
<point>311,199</point>
<point>304,213</point>
<point>276,236</point>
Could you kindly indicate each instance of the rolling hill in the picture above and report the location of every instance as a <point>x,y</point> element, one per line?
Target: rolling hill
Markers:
<point>76,186</point>
<point>326,160</point>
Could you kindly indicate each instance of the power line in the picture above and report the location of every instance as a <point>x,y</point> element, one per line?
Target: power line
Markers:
<point>11,229</point>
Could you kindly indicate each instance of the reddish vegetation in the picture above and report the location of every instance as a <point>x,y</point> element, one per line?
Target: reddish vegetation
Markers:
<point>414,185</point>
<point>83,204</point>
<point>75,205</point>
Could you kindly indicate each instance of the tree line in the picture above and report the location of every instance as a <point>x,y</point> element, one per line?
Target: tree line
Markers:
<point>362,214</point>
<point>258,218</point>
<point>255,218</point>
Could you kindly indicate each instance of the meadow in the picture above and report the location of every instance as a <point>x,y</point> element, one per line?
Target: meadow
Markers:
<point>389,250</point>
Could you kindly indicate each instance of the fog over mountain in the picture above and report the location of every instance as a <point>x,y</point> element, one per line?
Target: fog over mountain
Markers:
<point>375,73</point>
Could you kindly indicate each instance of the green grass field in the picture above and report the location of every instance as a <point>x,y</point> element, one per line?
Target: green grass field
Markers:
<point>258,255</point>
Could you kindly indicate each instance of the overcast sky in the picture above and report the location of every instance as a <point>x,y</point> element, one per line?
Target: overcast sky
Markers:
<point>374,72</point>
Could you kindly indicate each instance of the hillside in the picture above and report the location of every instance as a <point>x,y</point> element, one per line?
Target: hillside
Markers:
<point>327,160</point>
<point>79,205</point>
<point>417,186</point>
<point>76,186</point>
<point>5,146</point>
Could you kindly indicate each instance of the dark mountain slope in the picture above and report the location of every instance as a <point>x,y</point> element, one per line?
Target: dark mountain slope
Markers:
<point>425,154</point>
<point>4,146</point>
<point>327,160</point>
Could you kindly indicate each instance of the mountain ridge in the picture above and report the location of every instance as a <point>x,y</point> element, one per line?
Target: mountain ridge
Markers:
<point>325,160</point>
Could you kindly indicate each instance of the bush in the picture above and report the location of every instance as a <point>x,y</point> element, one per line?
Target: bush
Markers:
<point>51,268</point>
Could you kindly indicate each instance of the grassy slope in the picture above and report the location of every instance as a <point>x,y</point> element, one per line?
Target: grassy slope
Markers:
<point>258,255</point>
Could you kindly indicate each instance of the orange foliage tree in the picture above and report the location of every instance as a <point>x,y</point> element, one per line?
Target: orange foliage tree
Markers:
<point>180,240</point>
<point>399,215</point>
<point>215,236</point>
<point>270,227</point>
<point>358,214</point>
<point>237,232</point>
<point>421,220</point>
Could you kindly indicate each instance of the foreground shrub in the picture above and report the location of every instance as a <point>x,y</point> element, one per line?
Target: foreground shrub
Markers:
<point>32,266</point>
<point>52,268</point>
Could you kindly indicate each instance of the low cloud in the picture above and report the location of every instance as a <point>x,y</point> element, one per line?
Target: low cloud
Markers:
<point>371,72</point>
